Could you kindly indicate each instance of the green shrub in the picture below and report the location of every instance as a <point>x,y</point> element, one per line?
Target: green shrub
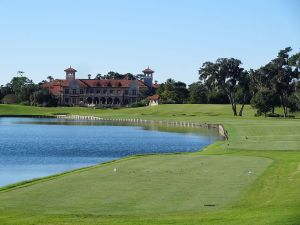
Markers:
<point>141,103</point>
<point>25,103</point>
<point>10,99</point>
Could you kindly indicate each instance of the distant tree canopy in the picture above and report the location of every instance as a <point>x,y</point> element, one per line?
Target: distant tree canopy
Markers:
<point>227,76</point>
<point>117,76</point>
<point>42,97</point>
<point>173,92</point>
<point>21,87</point>
<point>23,90</point>
<point>276,83</point>
<point>198,93</point>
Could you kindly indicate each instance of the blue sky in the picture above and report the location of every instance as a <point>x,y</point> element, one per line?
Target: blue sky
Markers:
<point>173,37</point>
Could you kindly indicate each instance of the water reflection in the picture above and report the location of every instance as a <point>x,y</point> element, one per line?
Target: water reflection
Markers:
<point>32,147</point>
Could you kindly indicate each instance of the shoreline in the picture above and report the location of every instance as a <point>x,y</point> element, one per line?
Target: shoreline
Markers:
<point>219,127</point>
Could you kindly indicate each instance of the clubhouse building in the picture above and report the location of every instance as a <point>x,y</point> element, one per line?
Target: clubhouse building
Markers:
<point>100,92</point>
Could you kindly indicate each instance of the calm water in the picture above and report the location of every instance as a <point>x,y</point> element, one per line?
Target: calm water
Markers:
<point>32,148</point>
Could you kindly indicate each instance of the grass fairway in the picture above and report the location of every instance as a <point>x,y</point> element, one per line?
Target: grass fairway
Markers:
<point>209,187</point>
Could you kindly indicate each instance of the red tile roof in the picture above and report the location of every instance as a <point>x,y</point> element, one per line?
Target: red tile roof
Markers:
<point>70,70</point>
<point>110,83</point>
<point>148,71</point>
<point>56,86</point>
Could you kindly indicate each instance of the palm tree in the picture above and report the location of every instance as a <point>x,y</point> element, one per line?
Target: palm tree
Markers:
<point>20,73</point>
<point>50,78</point>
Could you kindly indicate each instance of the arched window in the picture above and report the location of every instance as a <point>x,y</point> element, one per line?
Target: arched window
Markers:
<point>116,101</point>
<point>109,101</point>
<point>89,100</point>
<point>102,101</point>
<point>96,100</point>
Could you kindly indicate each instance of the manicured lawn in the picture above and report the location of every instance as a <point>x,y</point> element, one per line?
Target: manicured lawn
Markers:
<point>145,185</point>
<point>209,187</point>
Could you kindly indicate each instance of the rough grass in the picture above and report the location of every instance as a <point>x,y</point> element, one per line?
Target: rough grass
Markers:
<point>173,188</point>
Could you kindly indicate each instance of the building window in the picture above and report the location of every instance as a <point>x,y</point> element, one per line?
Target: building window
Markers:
<point>111,91</point>
<point>73,100</point>
<point>126,92</point>
<point>66,91</point>
<point>81,99</point>
<point>74,91</point>
<point>91,91</point>
<point>133,92</point>
<point>118,91</point>
<point>98,91</point>
<point>104,91</point>
<point>81,91</point>
<point>66,100</point>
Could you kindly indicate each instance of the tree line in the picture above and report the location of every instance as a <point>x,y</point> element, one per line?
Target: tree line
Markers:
<point>225,81</point>
<point>22,90</point>
<point>118,76</point>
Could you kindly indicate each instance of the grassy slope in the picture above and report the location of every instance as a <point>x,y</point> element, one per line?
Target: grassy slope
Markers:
<point>158,186</point>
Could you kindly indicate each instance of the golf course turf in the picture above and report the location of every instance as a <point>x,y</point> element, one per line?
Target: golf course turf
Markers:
<point>252,178</point>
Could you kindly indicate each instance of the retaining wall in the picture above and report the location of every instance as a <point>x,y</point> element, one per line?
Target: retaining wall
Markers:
<point>219,127</point>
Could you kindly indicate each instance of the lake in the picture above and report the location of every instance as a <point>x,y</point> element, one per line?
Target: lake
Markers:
<point>37,147</point>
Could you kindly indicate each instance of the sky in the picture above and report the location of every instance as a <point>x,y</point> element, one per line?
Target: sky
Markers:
<point>173,37</point>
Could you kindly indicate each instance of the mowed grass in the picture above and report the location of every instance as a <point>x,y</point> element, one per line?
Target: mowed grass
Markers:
<point>144,185</point>
<point>252,178</point>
